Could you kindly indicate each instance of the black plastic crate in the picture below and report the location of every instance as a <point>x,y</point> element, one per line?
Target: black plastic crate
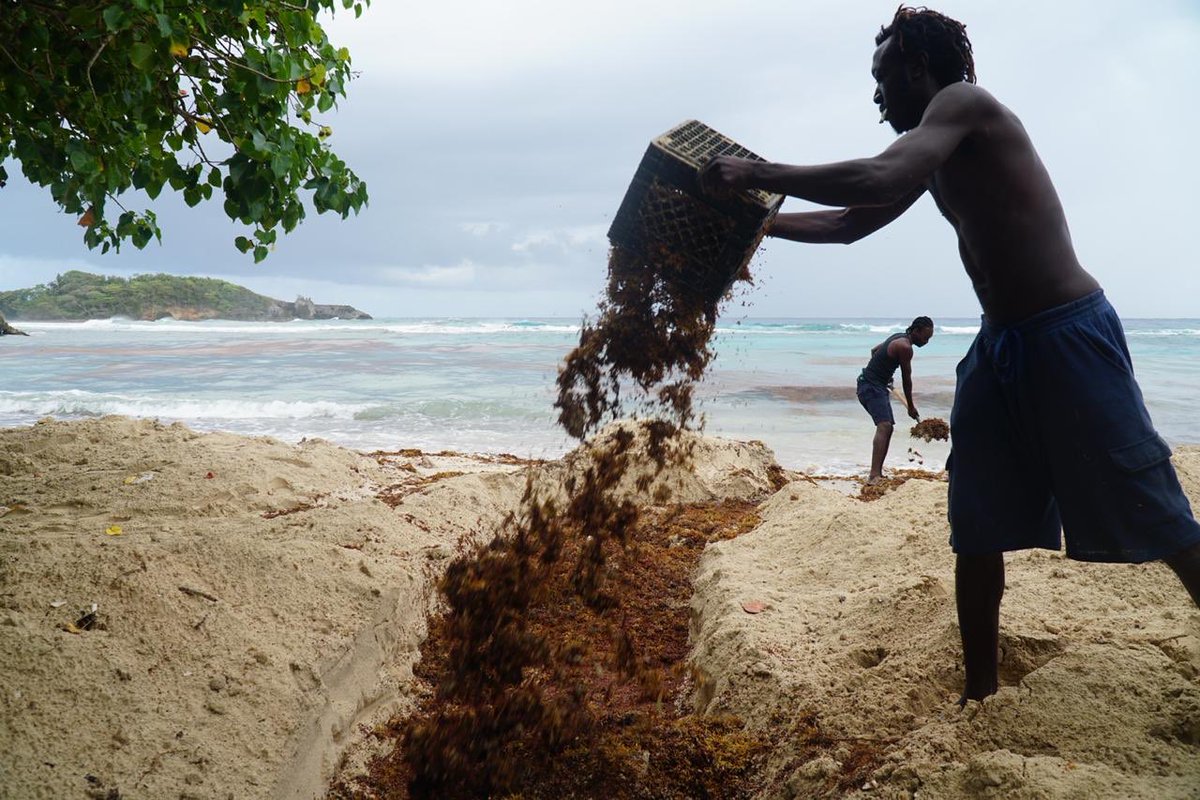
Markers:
<point>665,216</point>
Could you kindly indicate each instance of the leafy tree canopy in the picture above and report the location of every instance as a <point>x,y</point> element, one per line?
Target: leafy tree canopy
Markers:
<point>103,96</point>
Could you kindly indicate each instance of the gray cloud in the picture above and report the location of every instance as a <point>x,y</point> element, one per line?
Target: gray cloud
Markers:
<point>498,139</point>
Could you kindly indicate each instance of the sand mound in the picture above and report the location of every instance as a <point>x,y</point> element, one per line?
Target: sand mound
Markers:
<point>717,469</point>
<point>258,601</point>
<point>1100,668</point>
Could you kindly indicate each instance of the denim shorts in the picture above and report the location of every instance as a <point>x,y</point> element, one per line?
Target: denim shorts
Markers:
<point>1051,440</point>
<point>876,400</point>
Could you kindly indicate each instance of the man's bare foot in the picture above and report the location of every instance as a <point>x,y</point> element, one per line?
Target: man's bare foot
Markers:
<point>873,479</point>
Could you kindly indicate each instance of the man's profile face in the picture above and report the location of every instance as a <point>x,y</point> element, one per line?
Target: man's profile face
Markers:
<point>893,90</point>
<point>921,336</point>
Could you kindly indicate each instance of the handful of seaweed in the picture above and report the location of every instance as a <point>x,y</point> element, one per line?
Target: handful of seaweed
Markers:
<point>930,429</point>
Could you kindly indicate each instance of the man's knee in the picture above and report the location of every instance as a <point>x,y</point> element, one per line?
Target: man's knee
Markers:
<point>978,561</point>
<point>1187,558</point>
<point>975,575</point>
<point>885,427</point>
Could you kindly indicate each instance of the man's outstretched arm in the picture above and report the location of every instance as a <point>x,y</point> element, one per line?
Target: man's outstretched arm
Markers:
<point>904,353</point>
<point>844,226</point>
<point>879,181</point>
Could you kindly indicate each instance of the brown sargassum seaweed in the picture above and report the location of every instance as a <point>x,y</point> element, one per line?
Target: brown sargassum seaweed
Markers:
<point>930,429</point>
<point>558,666</point>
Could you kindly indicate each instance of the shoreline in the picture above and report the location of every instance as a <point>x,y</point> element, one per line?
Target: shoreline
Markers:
<point>252,624</point>
<point>906,452</point>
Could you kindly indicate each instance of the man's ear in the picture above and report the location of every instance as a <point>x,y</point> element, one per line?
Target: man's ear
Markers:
<point>917,66</point>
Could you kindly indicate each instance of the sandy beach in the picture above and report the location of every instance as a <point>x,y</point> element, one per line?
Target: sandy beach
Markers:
<point>258,606</point>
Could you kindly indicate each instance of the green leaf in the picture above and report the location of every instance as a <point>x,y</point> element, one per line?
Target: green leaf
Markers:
<point>261,145</point>
<point>83,16</point>
<point>141,235</point>
<point>140,55</point>
<point>281,164</point>
<point>114,18</point>
<point>83,161</point>
<point>242,243</point>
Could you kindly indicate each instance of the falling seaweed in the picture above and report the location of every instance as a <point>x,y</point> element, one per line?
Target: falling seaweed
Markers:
<point>522,706</point>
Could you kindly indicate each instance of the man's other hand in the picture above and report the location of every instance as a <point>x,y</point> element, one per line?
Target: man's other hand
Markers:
<point>912,412</point>
<point>725,174</point>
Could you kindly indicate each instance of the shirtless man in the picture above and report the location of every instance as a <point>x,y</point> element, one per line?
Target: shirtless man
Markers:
<point>1050,434</point>
<point>874,386</point>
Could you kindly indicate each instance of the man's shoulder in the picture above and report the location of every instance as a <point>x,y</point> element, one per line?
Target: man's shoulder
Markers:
<point>899,346</point>
<point>961,98</point>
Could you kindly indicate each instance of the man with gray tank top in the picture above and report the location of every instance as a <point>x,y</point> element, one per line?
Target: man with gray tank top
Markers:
<point>875,383</point>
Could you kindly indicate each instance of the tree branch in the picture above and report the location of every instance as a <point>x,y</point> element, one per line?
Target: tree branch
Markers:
<point>96,55</point>
<point>212,107</point>
<point>16,64</point>
<point>231,59</point>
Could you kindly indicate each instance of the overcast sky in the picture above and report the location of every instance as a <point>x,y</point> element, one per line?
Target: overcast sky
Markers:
<point>497,140</point>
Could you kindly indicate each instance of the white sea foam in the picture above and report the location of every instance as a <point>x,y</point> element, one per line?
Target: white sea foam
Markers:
<point>76,403</point>
<point>1164,332</point>
<point>292,328</point>
<point>751,328</point>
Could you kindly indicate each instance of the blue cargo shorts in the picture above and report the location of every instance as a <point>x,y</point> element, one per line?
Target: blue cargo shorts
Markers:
<point>1051,440</point>
<point>876,400</point>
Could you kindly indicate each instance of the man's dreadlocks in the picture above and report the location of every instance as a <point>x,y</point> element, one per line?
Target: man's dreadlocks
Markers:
<point>943,40</point>
<point>920,323</point>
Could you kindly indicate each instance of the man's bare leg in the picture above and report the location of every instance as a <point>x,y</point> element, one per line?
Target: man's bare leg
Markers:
<point>978,588</point>
<point>1187,566</point>
<point>879,448</point>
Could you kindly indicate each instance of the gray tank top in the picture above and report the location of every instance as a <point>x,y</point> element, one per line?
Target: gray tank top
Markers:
<point>880,369</point>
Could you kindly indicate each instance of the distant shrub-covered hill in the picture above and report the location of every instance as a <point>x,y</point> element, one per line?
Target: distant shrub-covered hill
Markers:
<point>81,295</point>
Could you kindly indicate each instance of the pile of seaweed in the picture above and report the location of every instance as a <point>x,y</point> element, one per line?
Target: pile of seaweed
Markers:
<point>602,707</point>
<point>558,666</point>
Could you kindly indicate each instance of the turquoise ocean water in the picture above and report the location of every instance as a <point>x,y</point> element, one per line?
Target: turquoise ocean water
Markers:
<point>487,385</point>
